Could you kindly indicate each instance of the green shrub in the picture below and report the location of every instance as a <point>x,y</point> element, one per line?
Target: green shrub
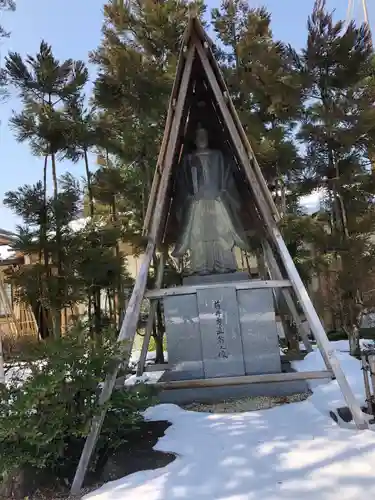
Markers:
<point>45,418</point>
<point>335,335</point>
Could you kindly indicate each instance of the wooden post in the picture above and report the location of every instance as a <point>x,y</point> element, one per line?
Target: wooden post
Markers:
<point>264,378</point>
<point>157,176</point>
<point>369,398</point>
<point>276,273</point>
<point>166,135</point>
<point>371,363</point>
<point>316,326</point>
<point>151,317</point>
<point>266,213</point>
<point>129,325</point>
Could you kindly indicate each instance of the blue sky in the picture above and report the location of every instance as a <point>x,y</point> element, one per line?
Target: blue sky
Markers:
<point>73,27</point>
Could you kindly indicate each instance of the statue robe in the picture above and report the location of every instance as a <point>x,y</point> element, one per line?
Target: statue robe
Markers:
<point>207,211</point>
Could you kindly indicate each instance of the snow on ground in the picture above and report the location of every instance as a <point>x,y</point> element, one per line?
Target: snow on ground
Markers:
<point>17,373</point>
<point>328,396</point>
<point>285,453</point>
<point>150,357</point>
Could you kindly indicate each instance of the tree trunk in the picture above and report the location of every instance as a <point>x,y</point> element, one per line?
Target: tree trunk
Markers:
<point>97,312</point>
<point>159,336</point>
<point>43,225</point>
<point>120,288</point>
<point>54,177</point>
<point>110,308</point>
<point>353,336</point>
<point>89,187</point>
<point>348,304</point>
<point>57,322</point>
<point>89,314</point>
<point>56,319</point>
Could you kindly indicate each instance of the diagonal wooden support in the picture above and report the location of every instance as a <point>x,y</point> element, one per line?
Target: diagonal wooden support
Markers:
<point>151,317</point>
<point>266,213</point>
<point>276,273</point>
<point>129,325</point>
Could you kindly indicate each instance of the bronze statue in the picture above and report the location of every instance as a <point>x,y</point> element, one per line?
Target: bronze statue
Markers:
<point>208,211</point>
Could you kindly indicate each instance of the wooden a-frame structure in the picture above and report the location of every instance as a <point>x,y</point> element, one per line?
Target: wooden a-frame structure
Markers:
<point>198,71</point>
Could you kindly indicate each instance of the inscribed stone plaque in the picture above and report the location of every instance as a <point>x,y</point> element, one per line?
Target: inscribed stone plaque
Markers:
<point>220,332</point>
<point>259,331</point>
<point>184,343</point>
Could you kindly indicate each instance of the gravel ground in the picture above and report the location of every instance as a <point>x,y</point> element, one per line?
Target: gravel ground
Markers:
<point>246,404</point>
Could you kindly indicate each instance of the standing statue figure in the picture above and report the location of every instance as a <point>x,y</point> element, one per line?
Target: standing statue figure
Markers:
<point>208,211</point>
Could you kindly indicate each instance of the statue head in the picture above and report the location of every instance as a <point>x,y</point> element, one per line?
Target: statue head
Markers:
<point>201,138</point>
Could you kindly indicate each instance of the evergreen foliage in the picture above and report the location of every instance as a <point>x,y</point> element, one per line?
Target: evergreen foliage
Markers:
<point>47,406</point>
<point>5,5</point>
<point>308,114</point>
<point>266,89</point>
<point>337,67</point>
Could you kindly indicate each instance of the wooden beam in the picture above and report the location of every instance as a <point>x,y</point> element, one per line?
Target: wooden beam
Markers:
<point>160,367</point>
<point>266,378</point>
<point>276,273</point>
<point>238,285</point>
<point>151,317</point>
<point>293,356</point>
<point>167,130</point>
<point>129,325</point>
<point>266,213</point>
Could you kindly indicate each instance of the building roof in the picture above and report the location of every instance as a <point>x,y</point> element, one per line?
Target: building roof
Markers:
<point>6,237</point>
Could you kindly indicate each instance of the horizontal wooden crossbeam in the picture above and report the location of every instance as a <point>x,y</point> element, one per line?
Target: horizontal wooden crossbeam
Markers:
<point>244,380</point>
<point>238,285</point>
<point>160,367</point>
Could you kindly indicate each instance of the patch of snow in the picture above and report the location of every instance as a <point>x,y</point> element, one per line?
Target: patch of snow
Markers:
<point>150,358</point>
<point>16,374</point>
<point>327,396</point>
<point>145,378</point>
<point>285,453</point>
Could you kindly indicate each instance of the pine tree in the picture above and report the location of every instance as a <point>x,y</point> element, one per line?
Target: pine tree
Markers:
<point>47,291</point>
<point>265,88</point>
<point>84,135</point>
<point>337,129</point>
<point>45,85</point>
<point>91,270</point>
<point>5,5</point>
<point>136,62</point>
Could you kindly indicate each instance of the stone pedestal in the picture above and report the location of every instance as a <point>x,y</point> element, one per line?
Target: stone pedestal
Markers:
<point>259,331</point>
<point>221,332</point>
<point>184,341</point>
